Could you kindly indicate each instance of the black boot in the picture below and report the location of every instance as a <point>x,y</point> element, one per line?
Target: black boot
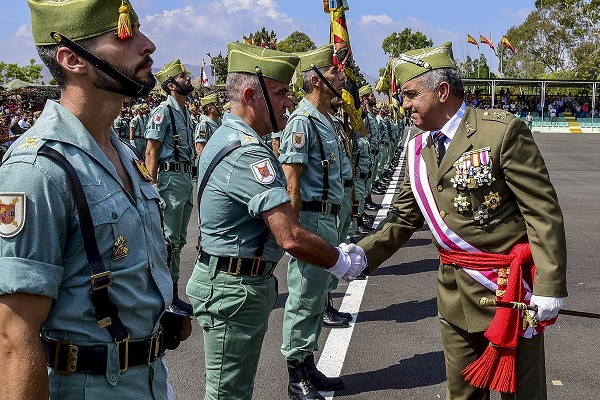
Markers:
<point>331,320</point>
<point>318,379</point>
<point>335,312</point>
<point>299,387</point>
<point>180,305</point>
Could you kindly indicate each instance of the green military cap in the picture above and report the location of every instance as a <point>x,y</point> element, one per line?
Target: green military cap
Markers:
<point>211,98</point>
<point>137,107</point>
<point>366,89</point>
<point>321,57</point>
<point>413,63</point>
<point>76,20</point>
<point>227,106</point>
<point>171,70</point>
<point>273,64</point>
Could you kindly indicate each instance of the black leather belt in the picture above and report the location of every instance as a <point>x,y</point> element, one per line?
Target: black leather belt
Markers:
<point>320,206</point>
<point>363,175</point>
<point>348,183</point>
<point>375,152</point>
<point>66,358</point>
<point>177,167</point>
<point>239,266</point>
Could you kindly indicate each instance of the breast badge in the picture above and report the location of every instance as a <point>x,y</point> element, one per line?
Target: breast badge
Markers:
<point>461,203</point>
<point>473,169</point>
<point>263,171</point>
<point>492,201</point>
<point>12,213</point>
<point>120,248</point>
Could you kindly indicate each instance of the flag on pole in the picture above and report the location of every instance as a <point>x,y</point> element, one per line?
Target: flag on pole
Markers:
<point>507,44</point>
<point>273,44</point>
<point>472,40</point>
<point>203,76</point>
<point>485,40</point>
<point>245,40</point>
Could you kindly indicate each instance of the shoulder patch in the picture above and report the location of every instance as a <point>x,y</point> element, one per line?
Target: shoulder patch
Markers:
<point>263,171</point>
<point>12,213</point>
<point>158,118</point>
<point>298,139</point>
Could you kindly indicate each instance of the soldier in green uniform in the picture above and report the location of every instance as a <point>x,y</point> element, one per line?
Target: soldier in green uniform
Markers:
<point>170,155</point>
<point>209,121</point>
<point>247,222</point>
<point>479,180</point>
<point>54,343</point>
<point>137,128</point>
<point>276,136</point>
<point>361,167</point>
<point>310,154</point>
<point>373,136</point>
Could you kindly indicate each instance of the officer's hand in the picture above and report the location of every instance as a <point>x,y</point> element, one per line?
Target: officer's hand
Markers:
<point>357,265</point>
<point>340,268</point>
<point>547,307</point>
<point>132,142</point>
<point>352,248</point>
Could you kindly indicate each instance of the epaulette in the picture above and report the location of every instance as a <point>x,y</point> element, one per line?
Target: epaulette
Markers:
<point>497,115</point>
<point>26,146</point>
<point>247,139</point>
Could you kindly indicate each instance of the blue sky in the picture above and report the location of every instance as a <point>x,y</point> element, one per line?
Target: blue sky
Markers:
<point>187,29</point>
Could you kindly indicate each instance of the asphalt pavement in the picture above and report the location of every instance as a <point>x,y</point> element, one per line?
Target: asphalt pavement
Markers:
<point>395,350</point>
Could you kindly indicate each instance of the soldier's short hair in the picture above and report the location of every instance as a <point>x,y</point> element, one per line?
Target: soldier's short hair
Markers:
<point>236,83</point>
<point>433,78</point>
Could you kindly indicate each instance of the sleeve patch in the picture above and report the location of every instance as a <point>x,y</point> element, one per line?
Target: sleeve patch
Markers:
<point>158,118</point>
<point>263,171</point>
<point>298,139</point>
<point>12,213</point>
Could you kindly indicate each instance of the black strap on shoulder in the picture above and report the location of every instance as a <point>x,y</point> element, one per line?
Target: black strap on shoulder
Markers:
<point>176,136</point>
<point>106,312</point>
<point>324,161</point>
<point>216,160</point>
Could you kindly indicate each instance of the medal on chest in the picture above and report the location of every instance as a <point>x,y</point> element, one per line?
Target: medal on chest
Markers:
<point>473,169</point>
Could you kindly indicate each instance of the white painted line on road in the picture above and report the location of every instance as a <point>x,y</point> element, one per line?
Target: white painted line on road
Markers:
<point>335,349</point>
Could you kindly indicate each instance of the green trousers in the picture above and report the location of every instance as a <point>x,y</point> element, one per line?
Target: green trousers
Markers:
<point>233,312</point>
<point>308,286</point>
<point>345,215</point>
<point>140,145</point>
<point>360,190</point>
<point>176,189</point>
<point>462,348</point>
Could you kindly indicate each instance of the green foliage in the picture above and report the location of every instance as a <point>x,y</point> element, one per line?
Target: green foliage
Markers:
<point>296,42</point>
<point>406,40</point>
<point>218,68</point>
<point>474,68</point>
<point>261,36</point>
<point>28,73</point>
<point>360,78</point>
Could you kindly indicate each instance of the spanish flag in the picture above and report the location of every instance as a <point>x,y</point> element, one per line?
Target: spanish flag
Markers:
<point>507,44</point>
<point>245,39</point>
<point>485,40</point>
<point>472,40</point>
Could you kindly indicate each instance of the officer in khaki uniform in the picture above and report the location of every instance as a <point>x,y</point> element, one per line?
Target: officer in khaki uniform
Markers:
<point>209,122</point>
<point>311,154</point>
<point>170,156</point>
<point>247,222</point>
<point>489,195</point>
<point>137,128</point>
<point>60,346</point>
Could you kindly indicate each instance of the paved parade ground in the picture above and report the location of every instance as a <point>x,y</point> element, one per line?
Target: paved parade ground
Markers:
<point>394,349</point>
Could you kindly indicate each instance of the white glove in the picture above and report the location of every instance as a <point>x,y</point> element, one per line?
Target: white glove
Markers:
<point>132,142</point>
<point>340,268</point>
<point>547,307</point>
<point>352,248</point>
<point>357,265</point>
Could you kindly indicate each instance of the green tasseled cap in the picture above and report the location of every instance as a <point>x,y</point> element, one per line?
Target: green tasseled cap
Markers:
<point>273,64</point>
<point>413,63</point>
<point>170,70</point>
<point>321,57</point>
<point>366,89</point>
<point>211,98</point>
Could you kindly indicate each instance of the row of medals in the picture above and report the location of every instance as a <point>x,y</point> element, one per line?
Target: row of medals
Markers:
<point>474,170</point>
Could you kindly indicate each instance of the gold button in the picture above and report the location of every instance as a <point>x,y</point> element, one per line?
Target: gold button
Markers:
<point>440,188</point>
<point>443,214</point>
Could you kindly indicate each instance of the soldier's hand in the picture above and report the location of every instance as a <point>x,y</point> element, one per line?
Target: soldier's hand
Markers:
<point>340,268</point>
<point>352,248</point>
<point>547,307</point>
<point>357,265</point>
<point>132,142</point>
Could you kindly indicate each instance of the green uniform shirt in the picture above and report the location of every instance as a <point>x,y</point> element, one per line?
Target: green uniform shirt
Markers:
<point>46,256</point>
<point>345,161</point>
<point>205,129</point>
<point>160,128</point>
<point>138,123</point>
<point>373,133</point>
<point>244,184</point>
<point>299,145</point>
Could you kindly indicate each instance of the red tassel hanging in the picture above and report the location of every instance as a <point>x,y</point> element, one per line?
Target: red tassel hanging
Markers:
<point>124,24</point>
<point>496,369</point>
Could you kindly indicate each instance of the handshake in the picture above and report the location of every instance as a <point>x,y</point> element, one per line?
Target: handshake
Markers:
<point>351,262</point>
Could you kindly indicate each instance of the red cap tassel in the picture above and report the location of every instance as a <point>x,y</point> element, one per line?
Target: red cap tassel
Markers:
<point>124,24</point>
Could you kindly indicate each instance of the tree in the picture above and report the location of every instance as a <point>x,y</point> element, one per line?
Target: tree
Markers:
<point>404,41</point>
<point>262,36</point>
<point>29,73</point>
<point>218,68</point>
<point>296,42</point>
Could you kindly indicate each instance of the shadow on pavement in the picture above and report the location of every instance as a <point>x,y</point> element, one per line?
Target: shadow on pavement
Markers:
<point>404,312</point>
<point>420,370</point>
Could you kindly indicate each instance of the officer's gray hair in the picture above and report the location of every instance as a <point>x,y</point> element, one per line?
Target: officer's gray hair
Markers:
<point>237,82</point>
<point>433,78</point>
<point>306,77</point>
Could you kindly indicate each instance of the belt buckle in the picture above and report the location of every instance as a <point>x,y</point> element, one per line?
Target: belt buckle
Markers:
<point>97,277</point>
<point>119,343</point>
<point>177,166</point>
<point>324,206</point>
<point>154,348</point>
<point>166,166</point>
<point>71,357</point>
<point>255,261</point>
<point>238,266</point>
<point>187,168</point>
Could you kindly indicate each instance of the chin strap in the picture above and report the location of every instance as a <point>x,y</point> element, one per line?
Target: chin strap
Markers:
<point>263,87</point>
<point>131,86</point>
<point>329,85</point>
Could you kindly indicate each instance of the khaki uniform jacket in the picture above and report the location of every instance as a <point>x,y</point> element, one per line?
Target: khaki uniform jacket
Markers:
<point>528,209</point>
